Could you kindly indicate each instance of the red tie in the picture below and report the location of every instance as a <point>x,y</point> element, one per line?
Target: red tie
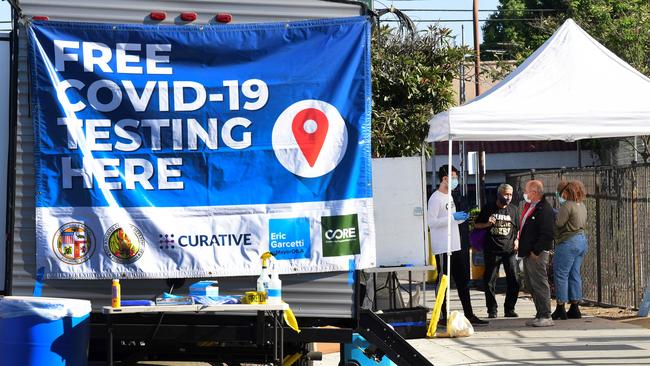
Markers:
<point>523,215</point>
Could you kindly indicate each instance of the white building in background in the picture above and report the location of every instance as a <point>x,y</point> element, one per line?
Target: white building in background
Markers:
<point>504,157</point>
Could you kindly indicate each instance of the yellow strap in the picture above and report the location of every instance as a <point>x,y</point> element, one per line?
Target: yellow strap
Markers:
<point>290,360</point>
<point>432,276</point>
<point>290,319</point>
<point>435,315</point>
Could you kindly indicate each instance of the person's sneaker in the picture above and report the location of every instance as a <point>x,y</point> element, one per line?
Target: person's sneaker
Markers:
<point>476,321</point>
<point>529,322</point>
<point>511,314</point>
<point>543,322</point>
<point>492,314</point>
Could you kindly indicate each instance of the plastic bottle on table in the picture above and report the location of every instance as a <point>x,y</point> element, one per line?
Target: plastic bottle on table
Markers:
<point>116,297</point>
<point>264,279</point>
<point>275,288</point>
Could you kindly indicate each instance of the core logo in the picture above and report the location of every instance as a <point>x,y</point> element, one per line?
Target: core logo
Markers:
<point>124,244</point>
<point>310,138</point>
<point>74,243</point>
<point>348,233</point>
<point>340,235</point>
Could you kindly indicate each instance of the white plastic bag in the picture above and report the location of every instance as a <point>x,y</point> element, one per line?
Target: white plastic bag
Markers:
<point>459,326</point>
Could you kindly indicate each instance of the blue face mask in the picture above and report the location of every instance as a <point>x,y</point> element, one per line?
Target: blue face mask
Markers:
<point>454,183</point>
<point>560,199</point>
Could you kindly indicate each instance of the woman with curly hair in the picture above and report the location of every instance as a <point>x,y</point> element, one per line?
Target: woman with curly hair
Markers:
<point>570,248</point>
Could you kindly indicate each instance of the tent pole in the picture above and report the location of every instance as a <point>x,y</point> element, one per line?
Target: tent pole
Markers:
<point>579,154</point>
<point>449,206</point>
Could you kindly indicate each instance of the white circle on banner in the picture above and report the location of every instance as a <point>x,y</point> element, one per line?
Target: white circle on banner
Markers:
<point>310,138</point>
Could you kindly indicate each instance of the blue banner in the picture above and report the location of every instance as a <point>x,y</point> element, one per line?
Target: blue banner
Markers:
<point>142,121</point>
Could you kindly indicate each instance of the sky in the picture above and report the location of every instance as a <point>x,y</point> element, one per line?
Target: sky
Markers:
<point>461,18</point>
<point>4,14</point>
<point>430,6</point>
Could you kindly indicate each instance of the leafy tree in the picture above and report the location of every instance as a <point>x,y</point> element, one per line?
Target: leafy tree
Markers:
<point>518,27</point>
<point>623,26</point>
<point>411,80</point>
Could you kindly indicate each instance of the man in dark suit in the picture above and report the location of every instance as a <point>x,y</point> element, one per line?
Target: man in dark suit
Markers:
<point>535,241</point>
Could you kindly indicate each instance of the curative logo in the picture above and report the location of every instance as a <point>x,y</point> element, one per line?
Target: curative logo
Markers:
<point>166,241</point>
<point>73,243</point>
<point>310,138</point>
<point>124,244</point>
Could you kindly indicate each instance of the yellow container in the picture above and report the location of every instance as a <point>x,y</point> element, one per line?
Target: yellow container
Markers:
<point>254,297</point>
<point>116,294</point>
<point>477,264</point>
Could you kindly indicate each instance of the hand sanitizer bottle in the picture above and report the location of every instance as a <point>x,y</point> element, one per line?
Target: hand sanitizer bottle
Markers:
<point>275,288</point>
<point>264,279</point>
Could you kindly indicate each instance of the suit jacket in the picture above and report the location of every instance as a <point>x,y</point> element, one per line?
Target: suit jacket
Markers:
<point>537,232</point>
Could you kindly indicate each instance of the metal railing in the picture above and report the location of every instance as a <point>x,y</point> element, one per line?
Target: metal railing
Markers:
<point>616,268</point>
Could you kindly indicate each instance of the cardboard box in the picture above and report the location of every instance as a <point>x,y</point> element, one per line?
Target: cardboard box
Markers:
<point>205,288</point>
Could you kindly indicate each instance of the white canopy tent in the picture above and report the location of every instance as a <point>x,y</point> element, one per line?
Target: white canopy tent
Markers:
<point>571,88</point>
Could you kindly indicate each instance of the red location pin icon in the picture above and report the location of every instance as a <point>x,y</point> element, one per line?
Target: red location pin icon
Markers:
<point>310,129</point>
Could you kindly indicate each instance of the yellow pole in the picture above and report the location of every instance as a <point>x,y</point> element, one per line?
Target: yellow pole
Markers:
<point>435,315</point>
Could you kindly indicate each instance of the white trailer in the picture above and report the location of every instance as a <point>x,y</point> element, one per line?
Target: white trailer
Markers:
<point>319,299</point>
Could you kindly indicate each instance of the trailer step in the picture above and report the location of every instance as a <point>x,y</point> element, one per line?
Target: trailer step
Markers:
<point>388,341</point>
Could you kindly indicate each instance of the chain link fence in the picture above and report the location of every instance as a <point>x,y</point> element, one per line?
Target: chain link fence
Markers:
<point>616,268</point>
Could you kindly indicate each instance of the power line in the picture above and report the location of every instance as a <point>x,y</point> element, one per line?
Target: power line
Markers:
<point>485,10</point>
<point>462,20</point>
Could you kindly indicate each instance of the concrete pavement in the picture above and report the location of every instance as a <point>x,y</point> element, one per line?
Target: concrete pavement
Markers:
<point>507,341</point>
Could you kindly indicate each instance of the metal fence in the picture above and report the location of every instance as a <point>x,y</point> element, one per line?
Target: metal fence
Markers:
<point>616,268</point>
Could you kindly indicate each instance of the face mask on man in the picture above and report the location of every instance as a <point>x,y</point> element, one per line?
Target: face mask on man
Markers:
<point>453,184</point>
<point>560,199</point>
<point>503,200</point>
<point>528,200</point>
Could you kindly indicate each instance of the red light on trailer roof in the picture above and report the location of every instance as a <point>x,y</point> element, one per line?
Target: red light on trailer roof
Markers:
<point>158,15</point>
<point>188,16</point>
<point>40,17</point>
<point>223,18</point>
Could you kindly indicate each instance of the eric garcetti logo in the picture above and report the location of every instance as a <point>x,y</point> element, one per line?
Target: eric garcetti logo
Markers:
<point>124,243</point>
<point>310,138</point>
<point>340,235</point>
<point>73,243</point>
<point>290,238</point>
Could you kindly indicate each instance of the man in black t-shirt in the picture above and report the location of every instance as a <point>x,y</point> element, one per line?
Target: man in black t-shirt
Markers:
<point>502,222</point>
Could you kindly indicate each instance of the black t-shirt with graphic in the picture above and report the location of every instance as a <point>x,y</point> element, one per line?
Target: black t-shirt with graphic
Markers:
<point>501,236</point>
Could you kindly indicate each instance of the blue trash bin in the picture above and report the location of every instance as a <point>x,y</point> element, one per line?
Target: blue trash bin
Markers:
<point>39,331</point>
<point>353,353</point>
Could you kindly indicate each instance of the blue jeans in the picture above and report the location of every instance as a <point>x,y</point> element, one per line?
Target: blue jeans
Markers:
<point>566,268</point>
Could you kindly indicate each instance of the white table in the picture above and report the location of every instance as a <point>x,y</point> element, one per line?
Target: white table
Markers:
<point>393,282</point>
<point>261,309</point>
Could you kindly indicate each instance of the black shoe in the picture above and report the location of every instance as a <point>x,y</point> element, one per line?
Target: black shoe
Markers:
<point>559,313</point>
<point>574,312</point>
<point>511,314</point>
<point>476,321</point>
<point>492,315</point>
